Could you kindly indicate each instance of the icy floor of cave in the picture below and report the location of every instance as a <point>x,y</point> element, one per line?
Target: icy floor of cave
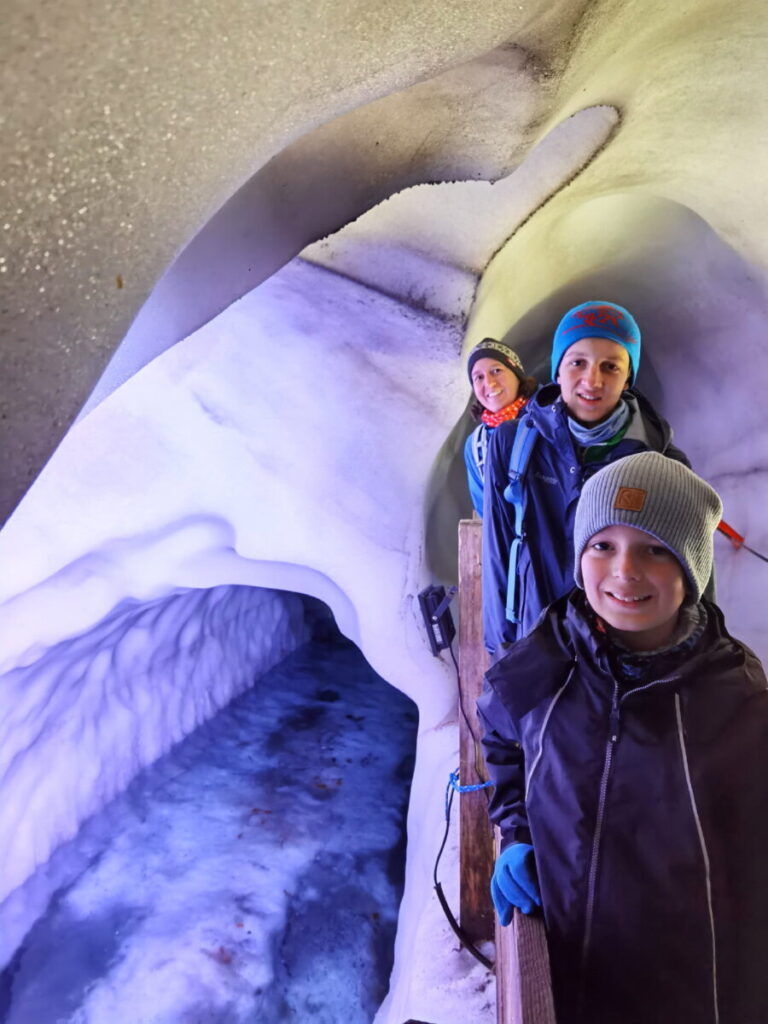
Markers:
<point>253,874</point>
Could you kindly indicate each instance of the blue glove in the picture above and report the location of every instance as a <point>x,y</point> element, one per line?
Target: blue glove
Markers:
<point>514,882</point>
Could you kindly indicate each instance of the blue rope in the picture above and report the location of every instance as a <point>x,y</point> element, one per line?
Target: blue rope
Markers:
<point>453,785</point>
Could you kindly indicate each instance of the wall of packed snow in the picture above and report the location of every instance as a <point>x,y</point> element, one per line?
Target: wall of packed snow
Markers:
<point>79,721</point>
<point>233,461</point>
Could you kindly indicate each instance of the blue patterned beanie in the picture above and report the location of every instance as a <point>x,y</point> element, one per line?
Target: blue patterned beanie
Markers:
<point>598,320</point>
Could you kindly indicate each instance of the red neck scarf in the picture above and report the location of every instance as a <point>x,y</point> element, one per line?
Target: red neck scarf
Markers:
<point>509,412</point>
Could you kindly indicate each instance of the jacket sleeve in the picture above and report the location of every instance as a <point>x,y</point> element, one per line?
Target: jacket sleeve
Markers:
<point>505,762</point>
<point>474,479</point>
<point>739,778</point>
<point>498,533</point>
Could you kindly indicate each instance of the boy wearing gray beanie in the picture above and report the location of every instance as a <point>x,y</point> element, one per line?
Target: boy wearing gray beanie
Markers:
<point>631,769</point>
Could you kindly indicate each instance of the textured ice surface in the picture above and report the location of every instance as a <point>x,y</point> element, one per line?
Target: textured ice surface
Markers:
<point>79,722</point>
<point>257,452</point>
<point>429,244</point>
<point>252,874</point>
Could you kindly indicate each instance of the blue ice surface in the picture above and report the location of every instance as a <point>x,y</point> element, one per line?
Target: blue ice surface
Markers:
<point>251,875</point>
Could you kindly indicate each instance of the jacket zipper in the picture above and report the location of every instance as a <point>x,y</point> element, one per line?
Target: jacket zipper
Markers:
<point>614,731</point>
<point>613,735</point>
<point>704,852</point>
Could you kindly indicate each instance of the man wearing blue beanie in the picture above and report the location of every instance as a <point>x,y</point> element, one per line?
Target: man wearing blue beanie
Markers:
<point>587,417</point>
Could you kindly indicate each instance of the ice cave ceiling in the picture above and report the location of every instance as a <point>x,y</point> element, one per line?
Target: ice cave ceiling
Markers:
<point>165,162</point>
<point>447,170</point>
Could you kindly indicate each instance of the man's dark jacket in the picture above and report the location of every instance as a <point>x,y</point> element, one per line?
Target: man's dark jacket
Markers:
<point>552,485</point>
<point>648,812</point>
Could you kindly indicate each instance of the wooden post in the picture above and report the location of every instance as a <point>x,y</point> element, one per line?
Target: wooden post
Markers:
<point>523,982</point>
<point>476,838</point>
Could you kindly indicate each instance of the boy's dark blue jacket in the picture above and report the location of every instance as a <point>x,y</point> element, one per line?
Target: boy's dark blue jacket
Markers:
<point>553,482</point>
<point>647,809</point>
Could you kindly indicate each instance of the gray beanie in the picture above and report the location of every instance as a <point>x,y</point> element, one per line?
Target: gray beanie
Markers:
<point>660,496</point>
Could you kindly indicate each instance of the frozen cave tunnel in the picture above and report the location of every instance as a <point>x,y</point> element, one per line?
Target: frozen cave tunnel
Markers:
<point>236,295</point>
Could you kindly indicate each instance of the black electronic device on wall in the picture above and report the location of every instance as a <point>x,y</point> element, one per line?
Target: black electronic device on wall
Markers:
<point>434,603</point>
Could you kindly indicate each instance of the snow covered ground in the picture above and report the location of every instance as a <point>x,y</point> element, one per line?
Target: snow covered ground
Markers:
<point>252,874</point>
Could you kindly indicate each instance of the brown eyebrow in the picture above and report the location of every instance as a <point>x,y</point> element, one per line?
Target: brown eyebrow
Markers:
<point>583,353</point>
<point>578,354</point>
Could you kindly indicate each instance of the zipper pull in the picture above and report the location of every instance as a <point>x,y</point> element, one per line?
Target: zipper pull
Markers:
<point>614,725</point>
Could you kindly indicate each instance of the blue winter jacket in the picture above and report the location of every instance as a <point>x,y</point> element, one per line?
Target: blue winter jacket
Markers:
<point>552,485</point>
<point>647,809</point>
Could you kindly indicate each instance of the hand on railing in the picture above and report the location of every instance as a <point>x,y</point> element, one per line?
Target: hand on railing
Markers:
<point>514,882</point>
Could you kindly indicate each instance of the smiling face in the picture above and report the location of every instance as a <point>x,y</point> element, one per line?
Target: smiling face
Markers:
<point>635,584</point>
<point>494,384</point>
<point>592,375</point>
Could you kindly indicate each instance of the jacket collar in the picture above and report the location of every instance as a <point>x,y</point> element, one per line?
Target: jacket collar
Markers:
<point>716,657</point>
<point>549,414</point>
<point>565,640</point>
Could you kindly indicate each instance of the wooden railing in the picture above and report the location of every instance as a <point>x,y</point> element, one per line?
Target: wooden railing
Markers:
<point>475,836</point>
<point>523,985</point>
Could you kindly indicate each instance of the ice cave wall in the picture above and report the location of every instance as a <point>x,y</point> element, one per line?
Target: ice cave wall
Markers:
<point>174,482</point>
<point>149,119</point>
<point>81,719</point>
<point>307,438</point>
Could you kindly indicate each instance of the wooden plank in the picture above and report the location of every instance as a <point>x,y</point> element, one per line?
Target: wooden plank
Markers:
<point>476,838</point>
<point>507,994</point>
<point>534,982</point>
<point>523,979</point>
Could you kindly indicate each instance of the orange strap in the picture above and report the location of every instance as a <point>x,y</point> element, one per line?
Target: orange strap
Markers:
<point>735,538</point>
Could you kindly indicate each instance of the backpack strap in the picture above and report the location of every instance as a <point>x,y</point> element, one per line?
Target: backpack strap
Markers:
<point>519,457</point>
<point>480,448</point>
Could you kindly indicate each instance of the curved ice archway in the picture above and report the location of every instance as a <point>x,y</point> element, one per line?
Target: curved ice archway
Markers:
<point>148,121</point>
<point>172,484</point>
<point>190,474</point>
<point>703,310</point>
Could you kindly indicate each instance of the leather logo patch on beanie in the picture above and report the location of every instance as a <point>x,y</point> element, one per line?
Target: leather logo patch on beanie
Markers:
<point>660,496</point>
<point>630,499</point>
